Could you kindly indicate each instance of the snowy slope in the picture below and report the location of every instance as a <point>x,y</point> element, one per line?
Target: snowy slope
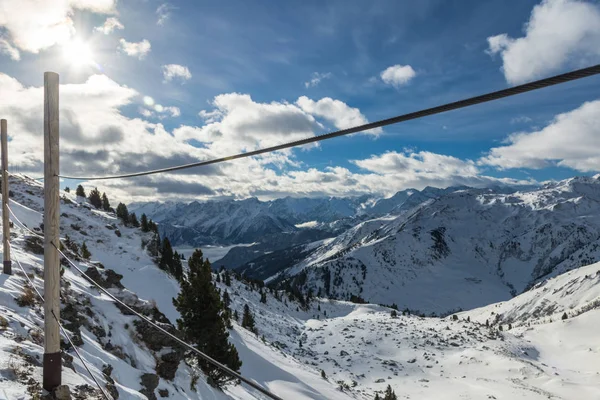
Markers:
<point>468,248</point>
<point>110,337</point>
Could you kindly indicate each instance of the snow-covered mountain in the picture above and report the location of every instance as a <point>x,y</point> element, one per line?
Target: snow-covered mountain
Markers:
<point>324,350</point>
<point>467,248</point>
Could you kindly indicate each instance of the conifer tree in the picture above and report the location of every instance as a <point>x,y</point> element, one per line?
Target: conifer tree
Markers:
<point>389,394</point>
<point>227,278</point>
<point>236,316</point>
<point>377,396</point>
<point>123,213</point>
<point>226,299</point>
<point>68,189</point>
<point>263,297</point>
<point>177,267</point>
<point>133,220</point>
<point>218,279</point>
<point>144,223</point>
<point>95,199</point>
<point>85,253</point>
<point>166,256</point>
<point>80,192</point>
<point>182,256</point>
<point>105,202</point>
<point>201,320</point>
<point>248,319</point>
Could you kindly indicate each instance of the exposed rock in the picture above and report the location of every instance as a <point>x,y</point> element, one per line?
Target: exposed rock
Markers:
<point>166,367</point>
<point>62,393</point>
<point>34,244</point>
<point>149,382</point>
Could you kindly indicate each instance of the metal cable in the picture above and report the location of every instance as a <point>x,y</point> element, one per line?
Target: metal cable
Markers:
<point>64,331</point>
<point>527,87</point>
<point>189,346</point>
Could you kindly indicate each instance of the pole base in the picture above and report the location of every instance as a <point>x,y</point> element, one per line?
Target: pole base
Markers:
<point>52,371</point>
<point>8,267</point>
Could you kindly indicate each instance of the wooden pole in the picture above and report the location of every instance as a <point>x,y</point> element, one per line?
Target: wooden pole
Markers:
<point>52,357</point>
<point>5,220</point>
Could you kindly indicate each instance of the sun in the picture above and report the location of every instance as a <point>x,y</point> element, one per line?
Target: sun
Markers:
<point>78,53</point>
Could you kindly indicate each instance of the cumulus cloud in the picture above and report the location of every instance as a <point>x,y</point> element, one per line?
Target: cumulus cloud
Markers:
<point>164,13</point>
<point>558,33</point>
<point>571,140</point>
<point>109,26</point>
<point>135,49</point>
<point>335,111</point>
<point>176,71</point>
<point>398,75</point>
<point>34,25</point>
<point>96,139</point>
<point>316,78</point>
<point>9,50</point>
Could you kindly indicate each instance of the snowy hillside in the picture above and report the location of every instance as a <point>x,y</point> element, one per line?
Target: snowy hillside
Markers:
<point>468,248</point>
<point>323,350</point>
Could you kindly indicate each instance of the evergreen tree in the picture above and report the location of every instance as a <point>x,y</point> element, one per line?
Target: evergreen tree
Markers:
<point>201,320</point>
<point>236,316</point>
<point>123,213</point>
<point>166,256</point>
<point>263,297</point>
<point>227,278</point>
<point>85,253</point>
<point>323,374</point>
<point>177,267</point>
<point>95,199</point>
<point>182,256</point>
<point>564,316</point>
<point>218,279</point>
<point>144,224</point>
<point>226,299</point>
<point>68,189</point>
<point>133,220</point>
<point>80,192</point>
<point>105,202</point>
<point>389,394</point>
<point>248,319</point>
<point>377,396</point>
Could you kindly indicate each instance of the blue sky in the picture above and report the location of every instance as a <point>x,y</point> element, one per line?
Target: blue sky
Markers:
<point>439,51</point>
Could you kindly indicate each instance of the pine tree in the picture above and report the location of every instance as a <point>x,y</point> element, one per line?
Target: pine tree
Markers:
<point>85,253</point>
<point>144,223</point>
<point>227,278</point>
<point>377,396</point>
<point>105,202</point>
<point>80,192</point>
<point>123,213</point>
<point>95,199</point>
<point>263,297</point>
<point>182,256</point>
<point>201,320</point>
<point>226,299</point>
<point>323,374</point>
<point>166,256</point>
<point>248,319</point>
<point>236,316</point>
<point>133,220</point>
<point>564,316</point>
<point>389,394</point>
<point>218,279</point>
<point>177,267</point>
<point>68,189</point>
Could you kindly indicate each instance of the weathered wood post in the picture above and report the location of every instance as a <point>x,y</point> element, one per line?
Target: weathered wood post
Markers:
<point>52,357</point>
<point>5,217</point>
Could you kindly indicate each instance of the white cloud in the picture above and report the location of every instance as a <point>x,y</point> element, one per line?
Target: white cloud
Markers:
<point>316,78</point>
<point>34,25</point>
<point>559,33</point>
<point>398,75</point>
<point>571,140</point>
<point>9,50</point>
<point>176,71</point>
<point>135,49</point>
<point>238,123</point>
<point>97,139</point>
<point>339,113</point>
<point>109,26</point>
<point>164,13</point>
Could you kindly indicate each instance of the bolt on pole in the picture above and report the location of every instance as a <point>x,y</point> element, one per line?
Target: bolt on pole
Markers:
<point>52,357</point>
<point>5,217</point>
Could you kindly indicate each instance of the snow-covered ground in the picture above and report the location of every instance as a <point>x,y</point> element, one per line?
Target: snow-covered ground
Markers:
<point>360,347</point>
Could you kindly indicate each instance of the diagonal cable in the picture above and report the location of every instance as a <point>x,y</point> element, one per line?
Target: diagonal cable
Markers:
<point>527,87</point>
